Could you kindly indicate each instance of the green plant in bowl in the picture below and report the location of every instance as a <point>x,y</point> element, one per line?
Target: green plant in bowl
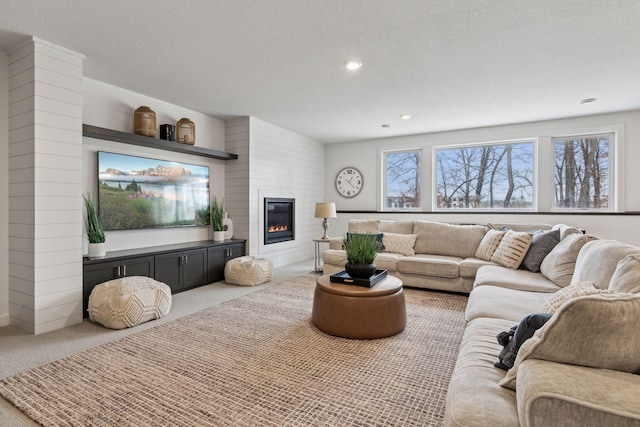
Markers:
<point>361,250</point>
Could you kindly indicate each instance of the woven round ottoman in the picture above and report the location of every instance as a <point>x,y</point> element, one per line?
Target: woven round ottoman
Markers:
<point>129,301</point>
<point>357,312</point>
<point>248,271</point>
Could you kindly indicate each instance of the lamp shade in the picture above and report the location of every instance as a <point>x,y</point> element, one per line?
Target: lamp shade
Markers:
<point>326,210</point>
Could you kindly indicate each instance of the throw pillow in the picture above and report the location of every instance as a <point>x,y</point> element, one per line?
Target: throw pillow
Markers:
<point>541,244</point>
<point>512,249</point>
<point>575,290</point>
<point>626,278</point>
<point>489,244</point>
<point>399,243</point>
<point>597,331</point>
<point>559,264</point>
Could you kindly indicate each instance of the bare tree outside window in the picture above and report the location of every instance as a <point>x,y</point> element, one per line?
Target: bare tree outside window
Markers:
<point>402,186</point>
<point>489,176</point>
<point>581,171</point>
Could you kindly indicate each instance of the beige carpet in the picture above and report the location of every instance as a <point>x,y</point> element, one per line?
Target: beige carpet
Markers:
<point>254,361</point>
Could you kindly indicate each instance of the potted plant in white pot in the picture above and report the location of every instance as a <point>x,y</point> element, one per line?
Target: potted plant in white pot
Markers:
<point>217,214</point>
<point>95,232</point>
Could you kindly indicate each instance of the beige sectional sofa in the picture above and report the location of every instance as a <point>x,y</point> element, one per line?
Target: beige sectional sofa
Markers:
<point>580,369</point>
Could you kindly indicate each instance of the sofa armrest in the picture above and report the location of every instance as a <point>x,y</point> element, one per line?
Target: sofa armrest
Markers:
<point>556,394</point>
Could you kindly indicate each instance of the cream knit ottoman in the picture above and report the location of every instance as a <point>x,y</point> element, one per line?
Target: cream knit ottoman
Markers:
<point>129,301</point>
<point>248,271</point>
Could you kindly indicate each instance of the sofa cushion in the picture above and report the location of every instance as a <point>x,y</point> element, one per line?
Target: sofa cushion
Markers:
<point>574,290</point>
<point>474,398</point>
<point>598,260</point>
<point>489,244</point>
<point>523,280</point>
<point>565,230</point>
<point>438,238</point>
<point>598,331</point>
<point>469,267</point>
<point>387,261</point>
<point>399,243</point>
<point>400,227</point>
<point>512,249</point>
<point>521,226</point>
<point>626,278</point>
<point>334,256</point>
<point>559,264</point>
<point>335,242</point>
<point>503,303</point>
<point>364,226</point>
<point>541,244</point>
<point>430,265</point>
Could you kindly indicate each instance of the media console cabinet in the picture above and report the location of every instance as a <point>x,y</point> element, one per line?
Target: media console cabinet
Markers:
<point>182,266</point>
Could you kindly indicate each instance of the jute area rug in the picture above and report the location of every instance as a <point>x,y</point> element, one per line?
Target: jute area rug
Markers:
<point>254,361</point>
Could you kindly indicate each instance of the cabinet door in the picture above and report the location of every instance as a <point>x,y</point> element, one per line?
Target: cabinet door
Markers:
<point>236,250</point>
<point>194,268</point>
<point>216,258</point>
<point>94,274</point>
<point>142,266</point>
<point>167,270</point>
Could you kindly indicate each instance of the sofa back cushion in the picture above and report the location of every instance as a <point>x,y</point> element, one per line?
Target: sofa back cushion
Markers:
<point>598,260</point>
<point>559,265</point>
<point>524,226</point>
<point>439,238</point>
<point>398,227</point>
<point>598,331</point>
<point>626,278</point>
<point>364,226</point>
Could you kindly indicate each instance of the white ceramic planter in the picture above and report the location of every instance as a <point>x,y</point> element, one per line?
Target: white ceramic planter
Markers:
<point>218,236</point>
<point>97,250</point>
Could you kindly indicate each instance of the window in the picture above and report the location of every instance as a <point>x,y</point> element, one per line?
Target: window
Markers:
<point>402,179</point>
<point>485,176</point>
<point>581,171</point>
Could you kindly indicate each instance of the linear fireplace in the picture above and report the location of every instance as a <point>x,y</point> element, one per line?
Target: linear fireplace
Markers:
<point>279,220</point>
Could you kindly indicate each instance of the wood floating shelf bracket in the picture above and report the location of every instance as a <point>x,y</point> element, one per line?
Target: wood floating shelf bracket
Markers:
<point>146,141</point>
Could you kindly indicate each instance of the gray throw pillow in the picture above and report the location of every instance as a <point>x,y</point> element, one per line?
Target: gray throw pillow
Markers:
<point>541,244</point>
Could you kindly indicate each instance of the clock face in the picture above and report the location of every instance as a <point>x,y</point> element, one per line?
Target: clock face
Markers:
<point>349,182</point>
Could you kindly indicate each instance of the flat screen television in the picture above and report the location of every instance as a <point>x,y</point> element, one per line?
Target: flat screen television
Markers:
<point>139,192</point>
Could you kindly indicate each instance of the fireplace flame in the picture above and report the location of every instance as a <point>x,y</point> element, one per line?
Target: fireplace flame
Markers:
<point>276,228</point>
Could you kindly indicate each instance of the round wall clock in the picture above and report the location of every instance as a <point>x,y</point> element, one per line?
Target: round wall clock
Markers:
<point>349,182</point>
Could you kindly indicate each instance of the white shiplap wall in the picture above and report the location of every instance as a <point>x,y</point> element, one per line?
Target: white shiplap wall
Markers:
<point>274,162</point>
<point>45,182</point>
<point>4,189</point>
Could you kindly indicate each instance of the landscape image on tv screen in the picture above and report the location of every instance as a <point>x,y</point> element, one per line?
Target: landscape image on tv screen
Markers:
<point>138,192</point>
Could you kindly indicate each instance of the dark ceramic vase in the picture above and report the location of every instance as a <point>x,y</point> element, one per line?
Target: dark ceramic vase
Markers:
<point>360,271</point>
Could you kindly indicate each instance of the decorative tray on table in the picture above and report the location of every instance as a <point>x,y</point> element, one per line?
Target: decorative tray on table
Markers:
<point>343,277</point>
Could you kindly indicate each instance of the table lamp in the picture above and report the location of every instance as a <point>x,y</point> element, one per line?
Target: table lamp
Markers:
<point>325,210</point>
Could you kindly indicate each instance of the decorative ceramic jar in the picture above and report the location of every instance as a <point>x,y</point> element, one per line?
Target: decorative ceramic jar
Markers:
<point>144,122</point>
<point>186,131</point>
<point>227,226</point>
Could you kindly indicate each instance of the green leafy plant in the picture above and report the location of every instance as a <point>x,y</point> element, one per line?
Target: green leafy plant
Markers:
<point>217,214</point>
<point>95,232</point>
<point>361,248</point>
<point>203,215</point>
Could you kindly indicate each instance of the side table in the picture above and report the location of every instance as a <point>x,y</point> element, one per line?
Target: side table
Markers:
<point>318,257</point>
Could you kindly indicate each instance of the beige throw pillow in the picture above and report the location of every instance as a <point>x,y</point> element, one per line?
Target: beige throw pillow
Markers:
<point>399,243</point>
<point>559,264</point>
<point>489,244</point>
<point>598,331</point>
<point>575,290</point>
<point>512,249</point>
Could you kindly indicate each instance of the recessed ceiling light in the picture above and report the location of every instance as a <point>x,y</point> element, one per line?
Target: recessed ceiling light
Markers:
<point>406,116</point>
<point>353,65</point>
<point>587,101</point>
<point>386,126</point>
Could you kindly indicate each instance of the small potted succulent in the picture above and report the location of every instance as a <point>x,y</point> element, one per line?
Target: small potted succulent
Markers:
<point>217,215</point>
<point>95,232</point>
<point>361,251</point>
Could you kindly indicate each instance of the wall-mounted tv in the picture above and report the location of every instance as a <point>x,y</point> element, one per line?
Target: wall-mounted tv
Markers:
<point>139,192</point>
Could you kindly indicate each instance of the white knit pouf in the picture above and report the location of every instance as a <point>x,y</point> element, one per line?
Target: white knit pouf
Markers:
<point>129,301</point>
<point>248,271</point>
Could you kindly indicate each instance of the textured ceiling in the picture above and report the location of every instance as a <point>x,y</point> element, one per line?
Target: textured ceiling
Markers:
<point>451,64</point>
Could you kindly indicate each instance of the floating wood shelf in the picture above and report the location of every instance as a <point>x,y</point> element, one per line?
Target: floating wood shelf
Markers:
<point>145,141</point>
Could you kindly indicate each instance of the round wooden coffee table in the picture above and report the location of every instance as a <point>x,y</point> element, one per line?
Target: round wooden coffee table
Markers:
<point>358,312</point>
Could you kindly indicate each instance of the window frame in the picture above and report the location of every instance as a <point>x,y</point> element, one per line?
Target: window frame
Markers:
<point>535,178</point>
<point>383,193</point>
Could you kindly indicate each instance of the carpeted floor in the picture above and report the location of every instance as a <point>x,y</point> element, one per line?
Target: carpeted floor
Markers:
<point>254,361</point>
